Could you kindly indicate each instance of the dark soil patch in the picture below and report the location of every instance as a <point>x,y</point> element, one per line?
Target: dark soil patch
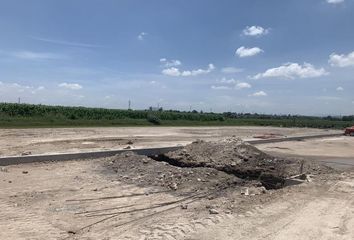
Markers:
<point>144,171</point>
<point>210,165</point>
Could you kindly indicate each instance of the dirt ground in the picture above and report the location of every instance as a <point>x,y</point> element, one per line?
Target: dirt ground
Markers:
<point>334,151</point>
<point>131,197</point>
<point>58,140</point>
<point>47,201</point>
<point>328,147</point>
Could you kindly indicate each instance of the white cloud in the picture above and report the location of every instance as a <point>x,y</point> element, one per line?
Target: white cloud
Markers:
<point>340,89</point>
<point>170,63</point>
<point>142,35</point>
<point>231,70</point>
<point>220,87</point>
<point>242,85</point>
<point>255,31</point>
<point>342,60</point>
<point>175,72</point>
<point>248,52</point>
<point>236,84</point>
<point>291,71</point>
<point>28,55</point>
<point>72,86</point>
<point>227,81</point>
<point>335,1</point>
<point>259,94</point>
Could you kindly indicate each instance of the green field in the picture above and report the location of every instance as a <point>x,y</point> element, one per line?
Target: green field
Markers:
<point>28,115</point>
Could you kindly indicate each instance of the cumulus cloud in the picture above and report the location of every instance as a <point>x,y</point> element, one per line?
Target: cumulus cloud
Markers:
<point>335,1</point>
<point>29,55</point>
<point>292,70</point>
<point>259,94</point>
<point>248,52</point>
<point>71,86</point>
<point>340,89</point>
<point>175,72</point>
<point>242,85</point>
<point>170,63</point>
<point>255,31</point>
<point>341,60</point>
<point>142,35</point>
<point>230,70</point>
<point>220,87</point>
<point>231,83</point>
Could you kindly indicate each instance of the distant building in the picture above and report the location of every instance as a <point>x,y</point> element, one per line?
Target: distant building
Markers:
<point>155,109</point>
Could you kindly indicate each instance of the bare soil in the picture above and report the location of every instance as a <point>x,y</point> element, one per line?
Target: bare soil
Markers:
<point>136,197</point>
<point>335,147</point>
<point>59,140</point>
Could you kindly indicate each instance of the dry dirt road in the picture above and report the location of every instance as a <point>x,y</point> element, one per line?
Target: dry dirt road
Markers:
<point>58,140</point>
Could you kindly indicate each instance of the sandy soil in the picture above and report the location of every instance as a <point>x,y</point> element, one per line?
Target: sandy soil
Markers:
<point>83,200</point>
<point>57,140</point>
<point>327,147</point>
<point>56,201</point>
<point>336,152</point>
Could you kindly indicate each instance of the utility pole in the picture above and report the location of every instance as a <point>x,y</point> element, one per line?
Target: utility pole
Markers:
<point>19,100</point>
<point>129,103</point>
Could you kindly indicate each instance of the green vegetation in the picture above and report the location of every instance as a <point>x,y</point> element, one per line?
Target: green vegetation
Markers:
<point>28,115</point>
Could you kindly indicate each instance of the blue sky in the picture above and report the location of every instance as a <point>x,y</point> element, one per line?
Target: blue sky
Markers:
<point>274,56</point>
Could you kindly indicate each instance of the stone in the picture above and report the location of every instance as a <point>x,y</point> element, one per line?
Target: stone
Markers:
<point>245,191</point>
<point>213,211</point>
<point>184,206</point>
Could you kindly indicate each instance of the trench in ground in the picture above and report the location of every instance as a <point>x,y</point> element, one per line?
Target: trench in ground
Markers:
<point>268,180</point>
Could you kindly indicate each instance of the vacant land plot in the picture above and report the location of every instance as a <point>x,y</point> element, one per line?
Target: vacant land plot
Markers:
<point>136,197</point>
<point>48,140</point>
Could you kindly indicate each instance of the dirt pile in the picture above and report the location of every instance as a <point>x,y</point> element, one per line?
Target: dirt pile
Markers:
<point>234,156</point>
<point>206,165</point>
<point>144,171</point>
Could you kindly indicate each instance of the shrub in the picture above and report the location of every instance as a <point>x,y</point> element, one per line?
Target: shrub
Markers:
<point>153,119</point>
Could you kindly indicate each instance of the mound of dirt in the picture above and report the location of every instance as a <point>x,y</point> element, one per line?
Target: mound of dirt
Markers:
<point>234,156</point>
<point>144,171</point>
<point>206,165</point>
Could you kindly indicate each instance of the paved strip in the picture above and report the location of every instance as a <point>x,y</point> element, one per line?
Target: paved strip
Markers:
<point>13,160</point>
